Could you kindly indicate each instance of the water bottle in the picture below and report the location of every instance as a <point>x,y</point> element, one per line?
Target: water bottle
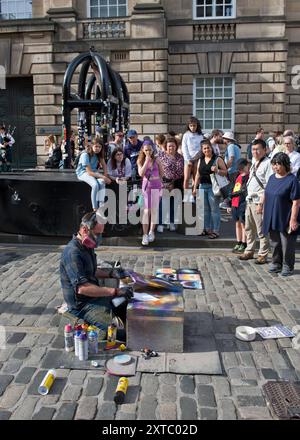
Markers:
<point>83,347</point>
<point>76,342</point>
<point>69,339</point>
<point>93,342</point>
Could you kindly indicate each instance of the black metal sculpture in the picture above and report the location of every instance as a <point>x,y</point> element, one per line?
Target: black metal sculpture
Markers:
<point>101,92</point>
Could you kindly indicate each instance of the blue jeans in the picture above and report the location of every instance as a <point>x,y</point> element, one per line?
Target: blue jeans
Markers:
<point>98,189</point>
<point>212,215</point>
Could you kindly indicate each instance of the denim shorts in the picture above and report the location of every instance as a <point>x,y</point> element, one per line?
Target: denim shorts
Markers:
<point>238,214</point>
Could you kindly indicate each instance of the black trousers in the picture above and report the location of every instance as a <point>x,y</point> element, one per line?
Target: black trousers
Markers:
<point>284,248</point>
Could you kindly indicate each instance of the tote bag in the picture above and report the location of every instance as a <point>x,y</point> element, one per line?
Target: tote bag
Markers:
<point>219,183</point>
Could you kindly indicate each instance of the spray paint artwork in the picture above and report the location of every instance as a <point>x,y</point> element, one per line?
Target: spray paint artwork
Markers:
<point>155,294</point>
<point>188,278</point>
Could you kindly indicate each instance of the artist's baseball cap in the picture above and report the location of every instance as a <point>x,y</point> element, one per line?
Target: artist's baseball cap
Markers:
<point>131,133</point>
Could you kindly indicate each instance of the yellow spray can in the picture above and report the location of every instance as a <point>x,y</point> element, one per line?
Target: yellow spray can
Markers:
<point>47,382</point>
<point>121,390</point>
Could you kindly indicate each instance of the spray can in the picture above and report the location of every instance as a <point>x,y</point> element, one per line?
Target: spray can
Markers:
<point>111,335</point>
<point>84,327</point>
<point>47,382</point>
<point>93,342</point>
<point>69,338</point>
<point>83,347</point>
<point>76,341</point>
<point>121,390</point>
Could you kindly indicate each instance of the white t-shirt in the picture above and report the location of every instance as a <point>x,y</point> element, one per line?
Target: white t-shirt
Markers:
<point>191,145</point>
<point>295,162</point>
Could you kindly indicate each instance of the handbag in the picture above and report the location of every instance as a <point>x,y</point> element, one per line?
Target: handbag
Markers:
<point>219,183</point>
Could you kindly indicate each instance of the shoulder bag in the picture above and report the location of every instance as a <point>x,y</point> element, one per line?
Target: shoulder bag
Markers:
<point>219,183</point>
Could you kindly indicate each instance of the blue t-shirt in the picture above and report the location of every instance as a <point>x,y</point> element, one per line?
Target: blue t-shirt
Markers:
<point>86,159</point>
<point>279,196</point>
<point>232,150</point>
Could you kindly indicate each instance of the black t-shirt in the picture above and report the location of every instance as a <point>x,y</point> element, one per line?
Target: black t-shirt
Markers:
<point>205,170</point>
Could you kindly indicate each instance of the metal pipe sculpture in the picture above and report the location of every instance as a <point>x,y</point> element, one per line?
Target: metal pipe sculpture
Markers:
<point>101,92</point>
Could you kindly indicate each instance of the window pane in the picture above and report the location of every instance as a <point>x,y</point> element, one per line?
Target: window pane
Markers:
<point>208,104</point>
<point>122,11</point>
<point>228,82</point>
<point>200,114</point>
<point>209,11</point>
<point>227,93</point>
<point>219,93</point>
<point>200,93</point>
<point>209,124</point>
<point>218,82</point>
<point>227,125</point>
<point>218,103</point>
<point>218,123</point>
<point>199,82</point>
<point>219,11</point>
<point>227,114</point>
<point>209,93</point>
<point>218,114</point>
<point>209,82</point>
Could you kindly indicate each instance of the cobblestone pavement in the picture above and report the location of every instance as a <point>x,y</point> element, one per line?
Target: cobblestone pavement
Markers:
<point>235,294</point>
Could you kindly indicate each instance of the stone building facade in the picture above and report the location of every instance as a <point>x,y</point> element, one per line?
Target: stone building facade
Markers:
<point>235,68</point>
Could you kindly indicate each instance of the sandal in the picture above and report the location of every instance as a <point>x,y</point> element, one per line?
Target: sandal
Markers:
<point>213,235</point>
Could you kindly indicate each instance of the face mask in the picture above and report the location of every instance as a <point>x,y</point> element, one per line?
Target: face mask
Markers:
<point>89,241</point>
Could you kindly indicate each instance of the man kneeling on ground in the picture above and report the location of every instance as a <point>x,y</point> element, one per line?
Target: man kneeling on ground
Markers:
<point>85,287</point>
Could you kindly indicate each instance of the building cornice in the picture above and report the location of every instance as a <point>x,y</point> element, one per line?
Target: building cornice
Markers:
<point>28,25</point>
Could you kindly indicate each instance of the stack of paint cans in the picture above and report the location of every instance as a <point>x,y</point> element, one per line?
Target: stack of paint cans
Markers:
<point>85,341</point>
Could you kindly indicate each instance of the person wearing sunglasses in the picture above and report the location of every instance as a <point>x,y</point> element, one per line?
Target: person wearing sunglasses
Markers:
<point>87,289</point>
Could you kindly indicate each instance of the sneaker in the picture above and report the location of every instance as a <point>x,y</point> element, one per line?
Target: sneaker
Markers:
<point>145,240</point>
<point>172,227</point>
<point>261,260</point>
<point>160,228</point>
<point>246,256</point>
<point>274,268</point>
<point>224,205</point>
<point>192,199</point>
<point>151,237</point>
<point>186,198</point>
<point>241,248</point>
<point>236,248</point>
<point>286,272</point>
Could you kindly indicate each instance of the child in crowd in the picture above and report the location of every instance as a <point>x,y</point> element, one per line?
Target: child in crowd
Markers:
<point>238,205</point>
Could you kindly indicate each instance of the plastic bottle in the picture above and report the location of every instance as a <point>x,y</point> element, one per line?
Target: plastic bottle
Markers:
<point>76,341</point>
<point>83,347</point>
<point>47,382</point>
<point>93,342</point>
<point>69,338</point>
<point>121,390</point>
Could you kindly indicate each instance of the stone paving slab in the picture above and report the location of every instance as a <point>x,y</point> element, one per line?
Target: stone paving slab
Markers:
<point>235,293</point>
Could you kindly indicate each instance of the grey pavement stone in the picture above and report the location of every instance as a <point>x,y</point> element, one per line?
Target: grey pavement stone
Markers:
<point>168,379</point>
<point>94,386</point>
<point>77,377</point>
<point>149,384</point>
<point>206,396</point>
<point>36,355</point>
<point>52,359</point>
<point>72,393</point>
<point>187,384</point>
<point>269,374</point>
<point>286,374</point>
<point>107,411</point>
<point>59,342</point>
<point>25,375</point>
<point>188,409</point>
<point>254,413</point>
<point>45,339</point>
<point>44,414</point>
<point>11,396</point>
<point>168,393</point>
<point>5,353</point>
<point>5,380</point>
<point>221,387</point>
<point>203,379</point>
<point>147,408</point>
<point>125,416</point>
<point>246,391</point>
<point>16,338</point>
<point>250,401</point>
<point>246,359</point>
<point>5,415</point>
<point>110,388</point>
<point>166,411</point>
<point>21,353</point>
<point>86,409</point>
<point>208,414</point>
<point>227,410</point>
<point>11,367</point>
<point>26,408</point>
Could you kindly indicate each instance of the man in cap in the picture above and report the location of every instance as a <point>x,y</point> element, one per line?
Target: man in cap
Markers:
<point>232,154</point>
<point>132,150</point>
<point>86,288</point>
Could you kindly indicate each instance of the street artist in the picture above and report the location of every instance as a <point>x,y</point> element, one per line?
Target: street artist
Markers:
<point>85,286</point>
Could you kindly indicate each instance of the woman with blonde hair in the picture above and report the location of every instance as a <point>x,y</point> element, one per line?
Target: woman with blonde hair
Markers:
<point>88,171</point>
<point>150,169</point>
